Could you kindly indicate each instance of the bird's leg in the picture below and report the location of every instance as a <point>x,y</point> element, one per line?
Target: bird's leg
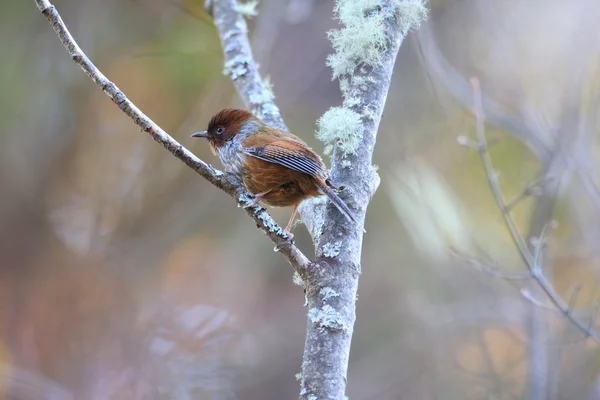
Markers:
<point>257,198</point>
<point>289,225</point>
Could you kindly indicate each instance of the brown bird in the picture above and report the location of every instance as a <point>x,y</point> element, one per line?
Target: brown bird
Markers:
<point>278,168</point>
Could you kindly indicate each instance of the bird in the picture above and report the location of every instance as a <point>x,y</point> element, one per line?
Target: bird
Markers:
<point>275,166</point>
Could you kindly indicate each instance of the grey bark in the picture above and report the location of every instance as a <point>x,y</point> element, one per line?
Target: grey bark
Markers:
<point>332,285</point>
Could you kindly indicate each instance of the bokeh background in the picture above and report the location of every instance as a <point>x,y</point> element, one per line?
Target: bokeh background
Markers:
<point>124,275</point>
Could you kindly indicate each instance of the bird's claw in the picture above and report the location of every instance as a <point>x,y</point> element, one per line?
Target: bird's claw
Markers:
<point>252,202</point>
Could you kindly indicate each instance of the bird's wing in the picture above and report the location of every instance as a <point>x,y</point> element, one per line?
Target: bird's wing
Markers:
<point>289,154</point>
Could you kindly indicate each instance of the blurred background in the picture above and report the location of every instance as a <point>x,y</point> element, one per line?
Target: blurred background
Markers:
<point>124,275</point>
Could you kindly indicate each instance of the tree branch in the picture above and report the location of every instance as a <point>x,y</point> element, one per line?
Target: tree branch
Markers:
<point>533,261</point>
<point>332,288</point>
<point>219,179</point>
<point>240,64</point>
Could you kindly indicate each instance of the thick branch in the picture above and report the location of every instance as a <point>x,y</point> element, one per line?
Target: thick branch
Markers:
<point>223,181</point>
<point>332,288</point>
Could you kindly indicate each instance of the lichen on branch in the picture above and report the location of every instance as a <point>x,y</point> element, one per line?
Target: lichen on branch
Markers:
<point>341,127</point>
<point>359,47</point>
<point>362,38</point>
<point>247,9</point>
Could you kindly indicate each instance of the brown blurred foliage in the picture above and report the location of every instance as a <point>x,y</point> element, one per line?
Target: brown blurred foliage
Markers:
<point>123,275</point>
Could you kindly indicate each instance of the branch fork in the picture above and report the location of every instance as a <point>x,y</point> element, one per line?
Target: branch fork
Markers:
<point>532,258</point>
<point>331,281</point>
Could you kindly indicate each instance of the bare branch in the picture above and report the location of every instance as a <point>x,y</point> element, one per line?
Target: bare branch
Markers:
<point>491,267</point>
<point>534,188</point>
<point>219,179</point>
<point>240,64</point>
<point>532,261</point>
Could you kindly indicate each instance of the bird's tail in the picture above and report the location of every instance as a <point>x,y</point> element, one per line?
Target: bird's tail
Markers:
<point>339,203</point>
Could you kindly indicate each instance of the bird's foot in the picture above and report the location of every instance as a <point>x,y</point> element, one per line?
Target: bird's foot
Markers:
<point>252,202</point>
<point>289,234</point>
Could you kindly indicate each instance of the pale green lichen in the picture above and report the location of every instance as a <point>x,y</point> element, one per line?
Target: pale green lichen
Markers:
<point>331,250</point>
<point>411,14</point>
<point>263,215</point>
<point>298,376</point>
<point>341,127</point>
<point>312,397</point>
<point>327,317</point>
<point>270,223</point>
<point>362,38</point>
<point>351,101</point>
<point>345,87</point>
<point>247,9</point>
<point>328,293</point>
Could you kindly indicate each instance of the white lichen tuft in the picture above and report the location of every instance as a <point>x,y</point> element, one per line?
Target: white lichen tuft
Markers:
<point>218,172</point>
<point>328,293</point>
<point>327,317</point>
<point>411,14</point>
<point>312,397</point>
<point>247,9</point>
<point>362,38</point>
<point>331,250</point>
<point>298,376</point>
<point>341,127</point>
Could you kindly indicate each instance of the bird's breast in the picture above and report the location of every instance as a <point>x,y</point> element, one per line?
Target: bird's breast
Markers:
<point>232,157</point>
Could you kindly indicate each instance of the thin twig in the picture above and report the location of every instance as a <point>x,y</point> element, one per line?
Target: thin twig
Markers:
<point>223,181</point>
<point>573,298</point>
<point>490,266</point>
<point>531,189</point>
<point>532,261</point>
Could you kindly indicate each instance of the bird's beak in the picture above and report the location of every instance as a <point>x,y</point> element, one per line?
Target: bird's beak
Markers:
<point>203,134</point>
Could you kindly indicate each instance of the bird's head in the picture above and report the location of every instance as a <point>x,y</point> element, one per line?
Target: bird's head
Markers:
<point>227,124</point>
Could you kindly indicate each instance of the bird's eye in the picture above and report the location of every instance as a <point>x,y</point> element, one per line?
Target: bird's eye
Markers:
<point>220,130</point>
